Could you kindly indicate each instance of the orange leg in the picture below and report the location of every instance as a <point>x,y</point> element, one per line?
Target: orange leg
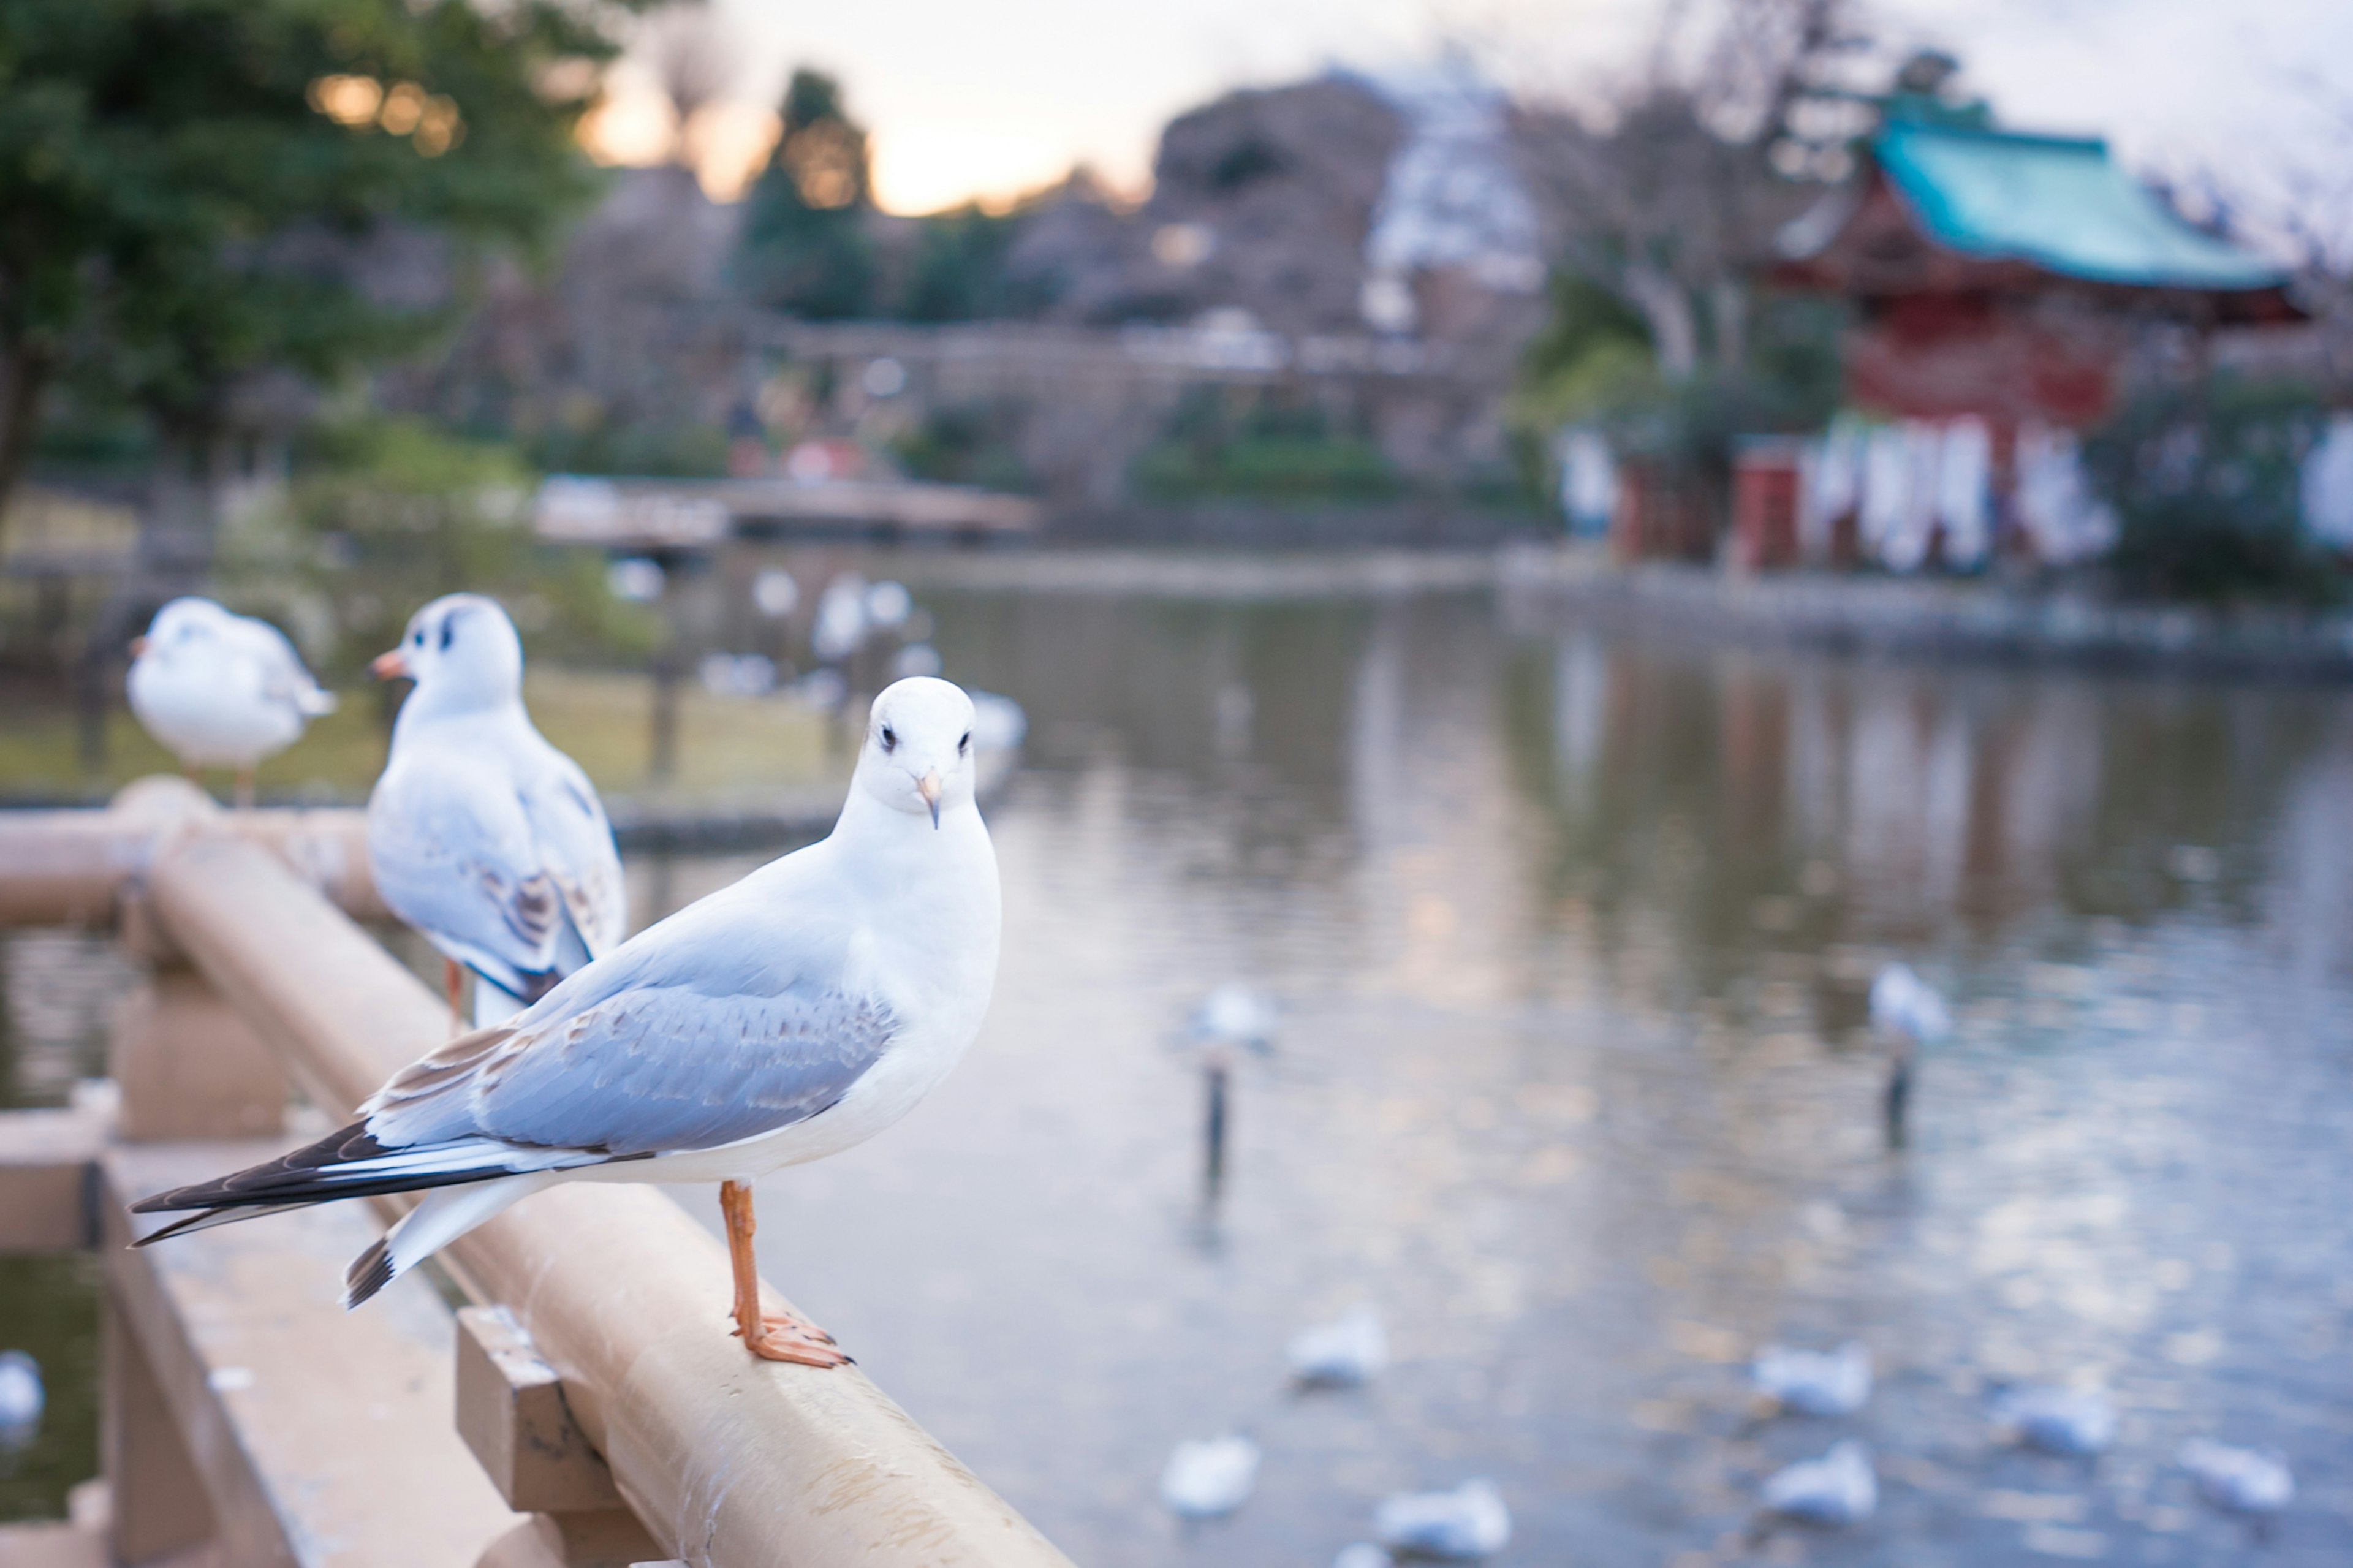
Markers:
<point>772,1336</point>
<point>453,980</point>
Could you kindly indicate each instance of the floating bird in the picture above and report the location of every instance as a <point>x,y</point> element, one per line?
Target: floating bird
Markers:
<point>1205,1480</point>
<point>1813,1382</point>
<point>1840,1488</point>
<point>487,841</point>
<point>785,1018</point>
<point>1907,1008</point>
<point>2074,1421</point>
<point>221,689</point>
<point>1350,1350</point>
<point>2244,1481</point>
<point>1469,1521</point>
<point>22,1399</point>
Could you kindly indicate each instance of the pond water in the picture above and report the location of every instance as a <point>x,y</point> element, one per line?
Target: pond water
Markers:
<point>1570,930</point>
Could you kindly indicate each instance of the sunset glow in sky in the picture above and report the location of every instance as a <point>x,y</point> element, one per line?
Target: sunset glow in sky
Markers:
<point>968,101</point>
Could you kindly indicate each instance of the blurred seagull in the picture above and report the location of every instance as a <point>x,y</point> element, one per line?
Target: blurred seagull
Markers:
<point>1813,1382</point>
<point>22,1400</point>
<point>1233,1015</point>
<point>487,841</point>
<point>1840,1488</point>
<point>1469,1521</point>
<point>221,689</point>
<point>785,1018</point>
<point>1907,1008</point>
<point>1208,1478</point>
<point>2244,1481</point>
<point>1350,1350</point>
<point>2077,1421</point>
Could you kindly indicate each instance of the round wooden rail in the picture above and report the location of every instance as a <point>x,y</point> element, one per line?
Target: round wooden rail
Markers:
<point>734,1462</point>
<point>72,868</point>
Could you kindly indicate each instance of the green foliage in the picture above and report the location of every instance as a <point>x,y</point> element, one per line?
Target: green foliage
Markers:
<point>1260,447</point>
<point>646,451</point>
<point>386,514</point>
<point>957,270</point>
<point>806,246</point>
<point>2206,481</point>
<point>966,443</point>
<point>193,188</point>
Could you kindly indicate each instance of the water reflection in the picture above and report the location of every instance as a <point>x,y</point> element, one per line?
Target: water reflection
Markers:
<point>1571,932</point>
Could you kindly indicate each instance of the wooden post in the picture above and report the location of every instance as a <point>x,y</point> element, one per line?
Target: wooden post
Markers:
<point>158,1498</point>
<point>188,1066</point>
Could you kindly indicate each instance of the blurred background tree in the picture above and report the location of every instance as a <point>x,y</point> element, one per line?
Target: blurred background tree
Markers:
<point>203,193</point>
<point>806,249</point>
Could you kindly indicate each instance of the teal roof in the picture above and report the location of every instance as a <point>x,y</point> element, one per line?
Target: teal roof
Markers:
<point>2059,202</point>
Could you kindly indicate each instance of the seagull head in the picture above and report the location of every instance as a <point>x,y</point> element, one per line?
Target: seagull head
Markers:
<point>918,752</point>
<point>183,624</point>
<point>462,652</point>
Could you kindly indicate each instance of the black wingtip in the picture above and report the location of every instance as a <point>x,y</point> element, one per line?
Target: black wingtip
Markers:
<point>370,1272</point>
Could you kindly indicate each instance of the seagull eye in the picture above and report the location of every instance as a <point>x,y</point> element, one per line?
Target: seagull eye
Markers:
<point>889,738</point>
<point>417,637</point>
<point>964,743</point>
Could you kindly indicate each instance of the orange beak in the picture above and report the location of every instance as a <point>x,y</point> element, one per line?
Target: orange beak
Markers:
<point>388,666</point>
<point>138,647</point>
<point>928,786</point>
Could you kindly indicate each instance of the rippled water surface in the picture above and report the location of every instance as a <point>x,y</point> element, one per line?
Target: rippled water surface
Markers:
<point>1571,933</point>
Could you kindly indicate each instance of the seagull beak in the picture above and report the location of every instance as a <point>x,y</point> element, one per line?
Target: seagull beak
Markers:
<point>928,786</point>
<point>388,666</point>
<point>138,647</point>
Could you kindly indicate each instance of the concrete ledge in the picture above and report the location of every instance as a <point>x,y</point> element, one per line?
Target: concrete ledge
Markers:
<point>48,1176</point>
<point>320,1436</point>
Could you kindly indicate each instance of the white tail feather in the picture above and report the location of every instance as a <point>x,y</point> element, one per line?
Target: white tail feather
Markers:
<point>446,1214</point>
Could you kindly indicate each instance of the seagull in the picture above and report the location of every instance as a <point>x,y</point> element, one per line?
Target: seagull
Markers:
<point>776,1021</point>
<point>1209,1479</point>
<point>1352,1349</point>
<point>485,838</point>
<point>1908,1009</point>
<point>1815,1382</point>
<point>1840,1488</point>
<point>2244,1480</point>
<point>1469,1521</point>
<point>2077,1421</point>
<point>221,689</point>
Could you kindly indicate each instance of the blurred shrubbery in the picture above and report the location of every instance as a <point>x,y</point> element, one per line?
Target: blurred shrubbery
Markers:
<point>1250,445</point>
<point>1594,364</point>
<point>2206,482</point>
<point>385,514</point>
<point>967,443</point>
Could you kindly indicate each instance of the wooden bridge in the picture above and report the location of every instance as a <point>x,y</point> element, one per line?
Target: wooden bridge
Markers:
<point>571,1394</point>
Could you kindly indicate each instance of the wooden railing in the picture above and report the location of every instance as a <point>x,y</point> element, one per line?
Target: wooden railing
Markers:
<point>590,1408</point>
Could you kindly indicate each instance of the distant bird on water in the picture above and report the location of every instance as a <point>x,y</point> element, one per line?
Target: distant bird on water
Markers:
<point>785,1018</point>
<point>1907,1009</point>
<point>221,689</point>
<point>485,838</point>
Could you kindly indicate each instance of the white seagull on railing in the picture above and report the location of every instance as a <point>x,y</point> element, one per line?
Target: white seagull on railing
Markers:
<point>777,1021</point>
<point>220,690</point>
<point>487,841</point>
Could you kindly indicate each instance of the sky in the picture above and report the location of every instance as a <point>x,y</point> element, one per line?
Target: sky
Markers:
<point>968,101</point>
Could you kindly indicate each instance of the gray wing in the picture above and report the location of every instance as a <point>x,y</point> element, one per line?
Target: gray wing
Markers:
<point>454,855</point>
<point>642,1067</point>
<point>284,677</point>
<point>576,842</point>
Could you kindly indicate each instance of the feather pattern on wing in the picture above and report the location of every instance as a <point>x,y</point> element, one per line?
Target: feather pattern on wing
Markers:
<point>652,1067</point>
<point>454,855</point>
